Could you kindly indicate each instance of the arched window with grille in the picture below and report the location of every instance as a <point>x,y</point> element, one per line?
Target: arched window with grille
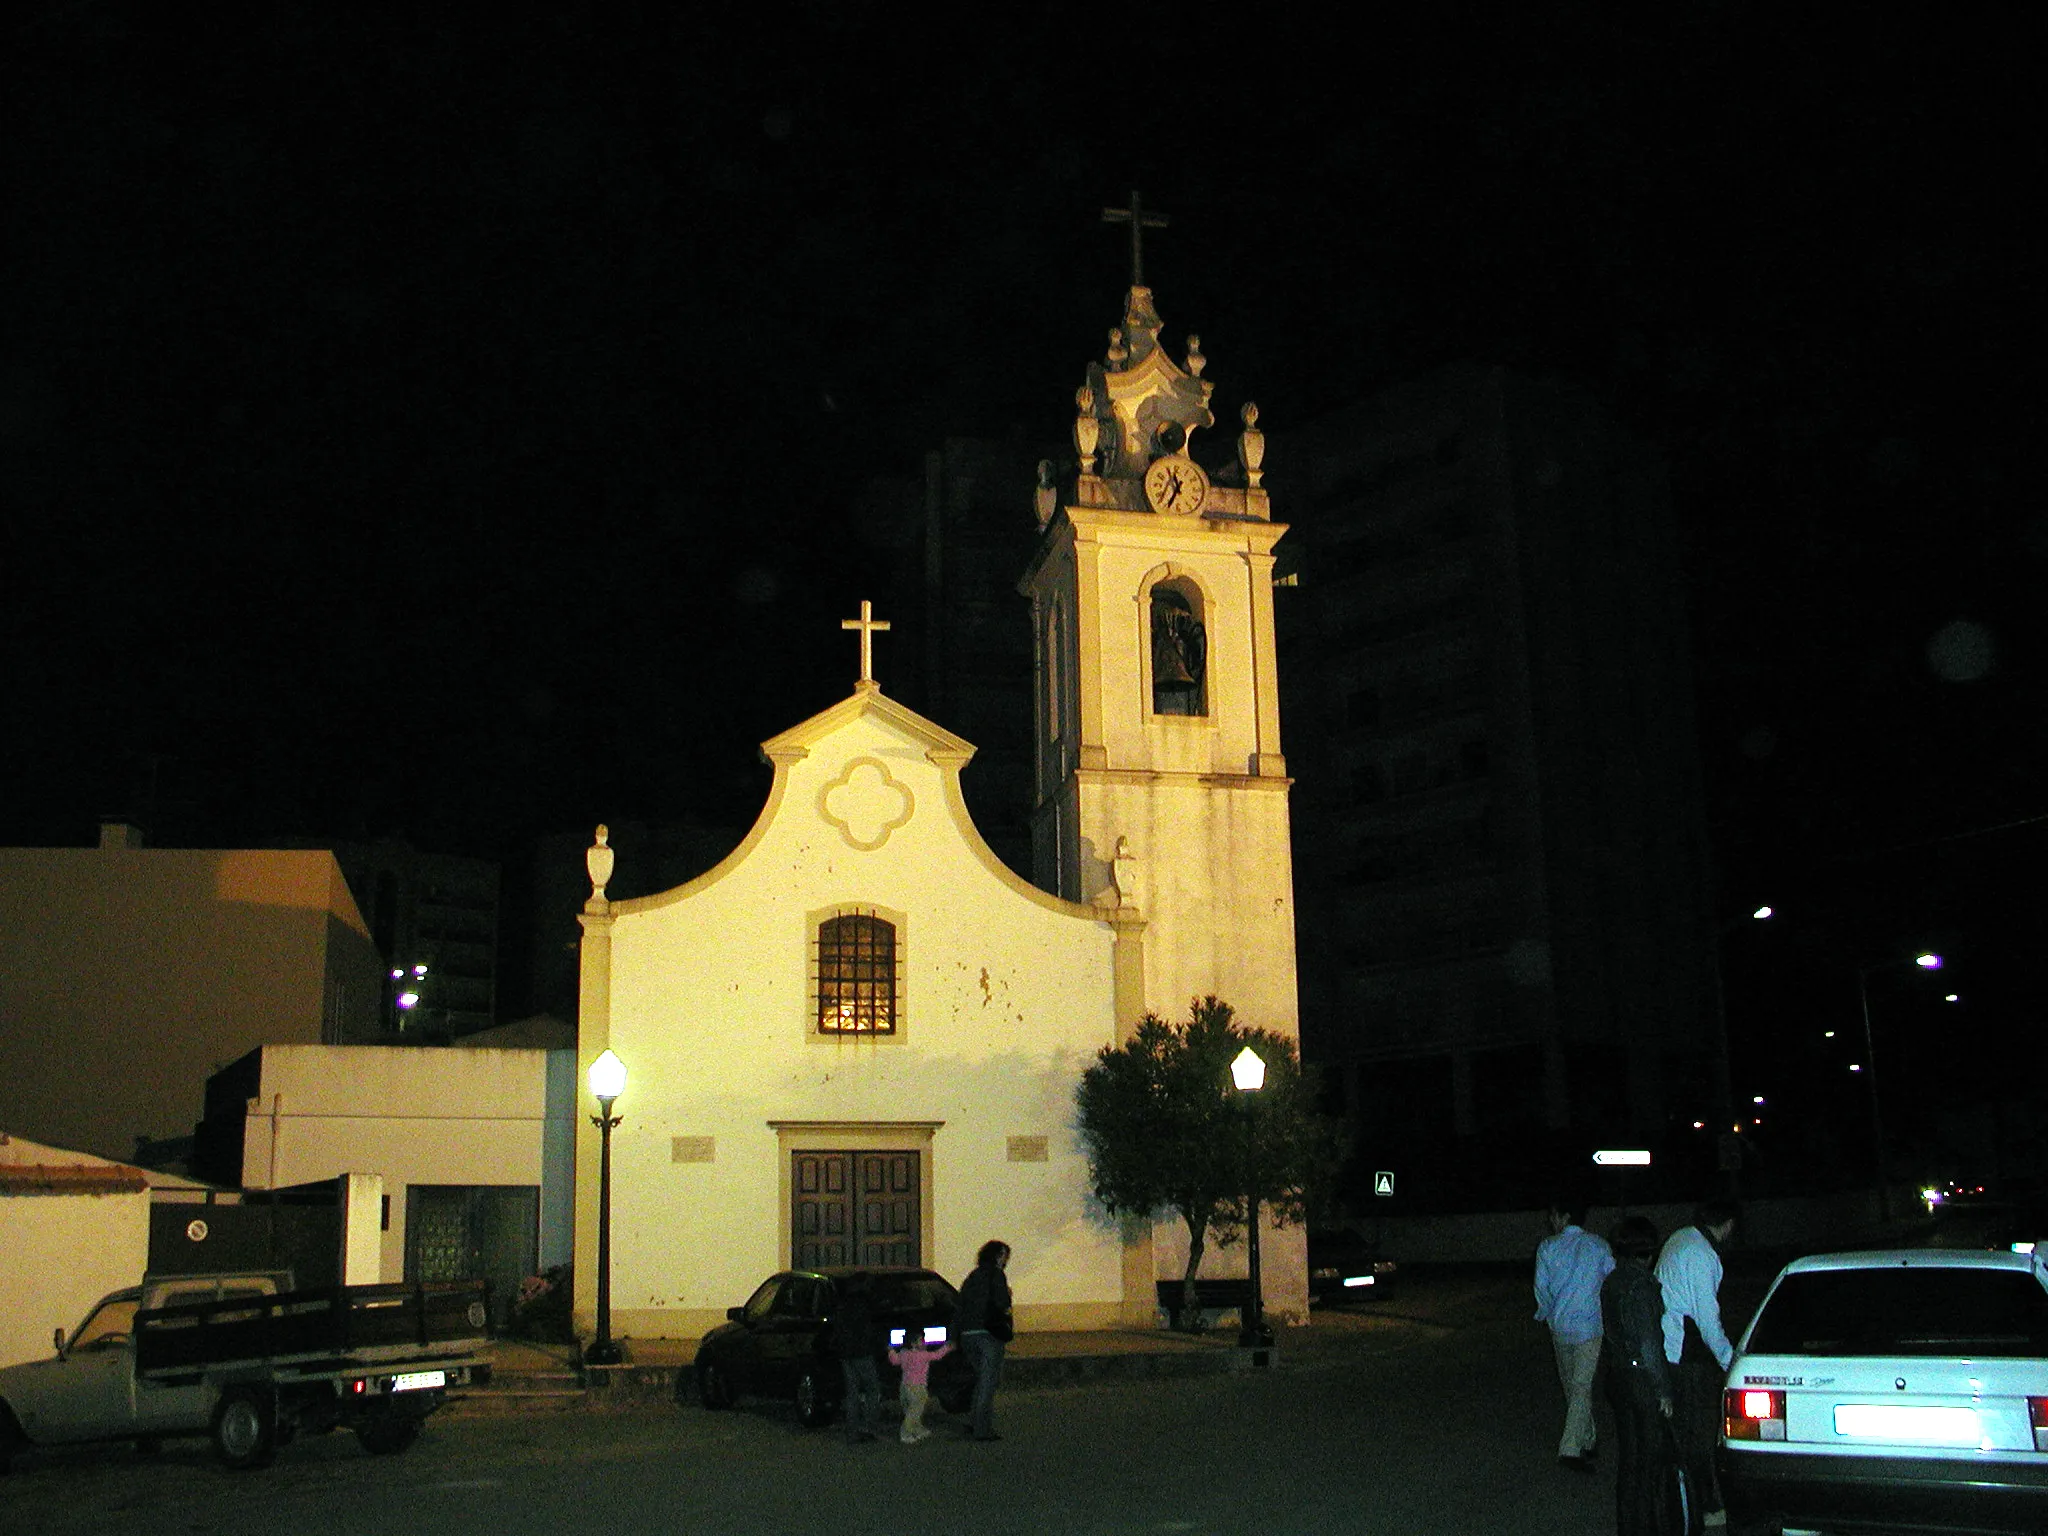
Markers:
<point>856,975</point>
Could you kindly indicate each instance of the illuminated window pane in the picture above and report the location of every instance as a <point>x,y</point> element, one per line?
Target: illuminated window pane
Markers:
<point>856,976</point>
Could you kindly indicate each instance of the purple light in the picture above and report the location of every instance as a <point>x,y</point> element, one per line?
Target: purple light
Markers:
<point>1928,962</point>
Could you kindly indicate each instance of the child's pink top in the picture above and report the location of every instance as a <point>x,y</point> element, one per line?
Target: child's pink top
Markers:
<point>916,1360</point>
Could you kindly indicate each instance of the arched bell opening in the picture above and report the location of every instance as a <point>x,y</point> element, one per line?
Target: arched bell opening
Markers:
<point>1180,650</point>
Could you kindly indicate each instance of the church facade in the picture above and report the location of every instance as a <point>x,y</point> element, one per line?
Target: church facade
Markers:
<point>857,1039</point>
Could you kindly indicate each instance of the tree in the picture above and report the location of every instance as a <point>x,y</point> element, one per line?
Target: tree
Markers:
<point>1167,1131</point>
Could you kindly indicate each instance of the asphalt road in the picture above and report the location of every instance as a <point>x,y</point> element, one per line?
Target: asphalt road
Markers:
<point>1441,1420</point>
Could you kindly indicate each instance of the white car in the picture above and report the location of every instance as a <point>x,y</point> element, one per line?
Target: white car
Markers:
<point>1893,1391</point>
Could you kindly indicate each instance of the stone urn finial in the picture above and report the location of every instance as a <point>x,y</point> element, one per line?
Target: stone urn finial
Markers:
<point>598,859</point>
<point>1251,447</point>
<point>1087,430</point>
<point>1196,361</point>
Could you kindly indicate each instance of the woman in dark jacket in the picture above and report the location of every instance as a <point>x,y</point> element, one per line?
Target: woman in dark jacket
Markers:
<point>1638,1382</point>
<point>982,1321</point>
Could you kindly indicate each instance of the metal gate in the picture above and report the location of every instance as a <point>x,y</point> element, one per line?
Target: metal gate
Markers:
<point>473,1232</point>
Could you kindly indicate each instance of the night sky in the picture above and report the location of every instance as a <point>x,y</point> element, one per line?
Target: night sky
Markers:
<point>468,428</point>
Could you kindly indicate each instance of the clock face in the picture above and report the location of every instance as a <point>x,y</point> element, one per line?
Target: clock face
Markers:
<point>1177,485</point>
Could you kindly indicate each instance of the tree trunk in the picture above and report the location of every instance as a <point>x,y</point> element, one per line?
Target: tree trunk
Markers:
<point>1189,1319</point>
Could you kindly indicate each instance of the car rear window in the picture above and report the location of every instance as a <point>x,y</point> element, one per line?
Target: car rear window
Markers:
<point>1986,1312</point>
<point>908,1293</point>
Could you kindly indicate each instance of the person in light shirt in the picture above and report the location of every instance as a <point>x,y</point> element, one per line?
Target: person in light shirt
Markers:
<point>1695,1343</point>
<point>1570,1264</point>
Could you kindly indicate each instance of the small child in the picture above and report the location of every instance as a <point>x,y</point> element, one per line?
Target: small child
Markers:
<point>915,1358</point>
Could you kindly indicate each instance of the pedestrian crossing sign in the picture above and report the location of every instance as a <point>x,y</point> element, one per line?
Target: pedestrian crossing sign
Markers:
<point>1383,1182</point>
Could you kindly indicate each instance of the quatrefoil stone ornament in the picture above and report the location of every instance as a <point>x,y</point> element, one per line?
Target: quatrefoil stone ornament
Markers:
<point>866,804</point>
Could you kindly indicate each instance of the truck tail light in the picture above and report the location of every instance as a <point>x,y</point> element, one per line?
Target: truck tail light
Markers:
<point>2037,1415</point>
<point>1756,1415</point>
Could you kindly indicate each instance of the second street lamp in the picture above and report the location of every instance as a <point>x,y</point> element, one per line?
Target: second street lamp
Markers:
<point>1926,962</point>
<point>607,1082</point>
<point>1248,1072</point>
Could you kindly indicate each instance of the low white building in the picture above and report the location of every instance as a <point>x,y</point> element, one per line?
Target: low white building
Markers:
<point>474,1147</point>
<point>72,1228</point>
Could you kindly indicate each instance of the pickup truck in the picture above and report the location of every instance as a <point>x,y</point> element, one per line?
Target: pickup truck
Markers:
<point>251,1362</point>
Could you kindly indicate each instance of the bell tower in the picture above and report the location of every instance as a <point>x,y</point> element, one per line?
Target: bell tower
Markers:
<point>1160,784</point>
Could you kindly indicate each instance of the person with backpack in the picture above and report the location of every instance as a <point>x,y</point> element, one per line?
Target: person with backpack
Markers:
<point>1639,1385</point>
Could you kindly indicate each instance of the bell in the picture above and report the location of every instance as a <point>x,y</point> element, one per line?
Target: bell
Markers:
<point>1173,672</point>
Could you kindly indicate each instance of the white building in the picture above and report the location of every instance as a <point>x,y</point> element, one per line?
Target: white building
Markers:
<point>72,1228</point>
<point>473,1149</point>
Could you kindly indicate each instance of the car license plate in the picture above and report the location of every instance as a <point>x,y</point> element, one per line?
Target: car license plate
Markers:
<point>1907,1425</point>
<point>414,1381</point>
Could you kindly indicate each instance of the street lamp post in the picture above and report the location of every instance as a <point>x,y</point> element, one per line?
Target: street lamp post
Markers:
<point>1728,1155</point>
<point>1248,1072</point>
<point>607,1082</point>
<point>1926,962</point>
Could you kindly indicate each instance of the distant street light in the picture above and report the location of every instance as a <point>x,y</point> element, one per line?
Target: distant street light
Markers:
<point>607,1082</point>
<point>409,984</point>
<point>1728,1156</point>
<point>1248,1072</point>
<point>1926,961</point>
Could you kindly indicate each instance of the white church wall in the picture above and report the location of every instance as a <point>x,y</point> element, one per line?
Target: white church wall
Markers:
<point>1224,924</point>
<point>1007,994</point>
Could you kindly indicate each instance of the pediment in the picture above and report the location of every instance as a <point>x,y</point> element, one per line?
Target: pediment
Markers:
<point>937,743</point>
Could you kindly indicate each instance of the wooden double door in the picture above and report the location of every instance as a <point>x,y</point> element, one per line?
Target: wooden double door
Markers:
<point>856,1208</point>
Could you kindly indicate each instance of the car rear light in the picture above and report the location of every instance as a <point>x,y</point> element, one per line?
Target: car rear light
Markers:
<point>1755,1415</point>
<point>358,1387</point>
<point>2037,1415</point>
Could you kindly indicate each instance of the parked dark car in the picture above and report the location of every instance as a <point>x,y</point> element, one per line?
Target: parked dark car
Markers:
<point>1345,1266</point>
<point>780,1343</point>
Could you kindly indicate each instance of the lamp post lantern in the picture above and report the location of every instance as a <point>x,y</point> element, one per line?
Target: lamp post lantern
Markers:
<point>1248,1073</point>
<point>607,1082</point>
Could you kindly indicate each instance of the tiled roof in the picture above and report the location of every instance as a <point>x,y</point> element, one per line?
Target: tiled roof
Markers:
<point>73,1179</point>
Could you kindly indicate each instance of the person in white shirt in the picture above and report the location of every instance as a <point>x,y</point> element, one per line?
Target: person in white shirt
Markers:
<point>1570,1264</point>
<point>1696,1345</point>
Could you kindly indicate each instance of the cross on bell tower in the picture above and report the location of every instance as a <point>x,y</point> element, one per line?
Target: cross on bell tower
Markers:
<point>1140,221</point>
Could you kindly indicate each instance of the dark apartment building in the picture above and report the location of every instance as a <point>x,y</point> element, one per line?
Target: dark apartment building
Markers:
<point>434,910</point>
<point>1505,927</point>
